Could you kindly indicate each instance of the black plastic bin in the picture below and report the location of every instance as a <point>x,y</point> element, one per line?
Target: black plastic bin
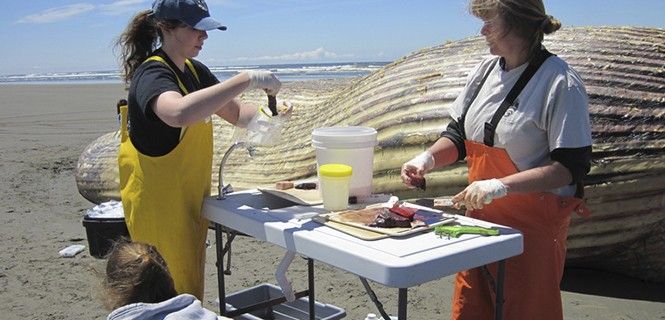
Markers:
<point>102,232</point>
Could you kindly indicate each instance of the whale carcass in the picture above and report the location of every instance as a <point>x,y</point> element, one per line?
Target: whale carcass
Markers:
<point>407,102</point>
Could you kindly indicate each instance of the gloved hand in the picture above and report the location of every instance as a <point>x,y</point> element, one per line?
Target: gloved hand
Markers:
<point>266,80</point>
<point>416,168</point>
<point>480,193</point>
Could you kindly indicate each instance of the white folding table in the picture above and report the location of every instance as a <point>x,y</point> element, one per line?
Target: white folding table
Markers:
<point>394,262</point>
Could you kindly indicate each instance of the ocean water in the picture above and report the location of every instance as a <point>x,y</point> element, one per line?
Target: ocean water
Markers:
<point>285,72</point>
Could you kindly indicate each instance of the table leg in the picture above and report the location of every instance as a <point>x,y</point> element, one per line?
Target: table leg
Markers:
<point>310,281</point>
<point>220,268</point>
<point>401,304</point>
<point>374,299</point>
<point>501,272</point>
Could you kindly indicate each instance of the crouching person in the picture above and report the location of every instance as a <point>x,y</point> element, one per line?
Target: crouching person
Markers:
<point>138,285</point>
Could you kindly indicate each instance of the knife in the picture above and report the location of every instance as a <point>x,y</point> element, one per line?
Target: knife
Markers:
<point>446,202</point>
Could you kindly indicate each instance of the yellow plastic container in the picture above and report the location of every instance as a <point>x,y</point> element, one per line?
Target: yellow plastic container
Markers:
<point>334,185</point>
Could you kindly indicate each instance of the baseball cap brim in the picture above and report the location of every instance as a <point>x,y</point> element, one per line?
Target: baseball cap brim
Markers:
<point>209,23</point>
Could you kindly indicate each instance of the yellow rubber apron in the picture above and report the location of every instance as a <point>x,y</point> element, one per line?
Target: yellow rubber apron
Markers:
<point>162,198</point>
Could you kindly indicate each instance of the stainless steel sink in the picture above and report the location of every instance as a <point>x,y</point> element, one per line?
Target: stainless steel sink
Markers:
<point>271,208</point>
<point>259,200</point>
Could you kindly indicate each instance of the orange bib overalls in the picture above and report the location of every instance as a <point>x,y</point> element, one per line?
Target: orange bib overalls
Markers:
<point>532,278</point>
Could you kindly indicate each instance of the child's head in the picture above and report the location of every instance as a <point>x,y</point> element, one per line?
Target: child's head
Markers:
<point>136,272</point>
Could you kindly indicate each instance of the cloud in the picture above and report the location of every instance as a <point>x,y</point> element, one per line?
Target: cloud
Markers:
<point>317,54</point>
<point>57,14</point>
<point>121,7</point>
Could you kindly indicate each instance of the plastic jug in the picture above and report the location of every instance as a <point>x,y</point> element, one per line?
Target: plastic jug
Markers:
<point>334,185</point>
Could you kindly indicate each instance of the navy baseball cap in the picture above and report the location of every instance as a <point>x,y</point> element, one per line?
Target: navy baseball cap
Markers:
<point>192,12</point>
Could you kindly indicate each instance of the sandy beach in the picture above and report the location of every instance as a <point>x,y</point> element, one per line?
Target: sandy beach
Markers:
<point>44,129</point>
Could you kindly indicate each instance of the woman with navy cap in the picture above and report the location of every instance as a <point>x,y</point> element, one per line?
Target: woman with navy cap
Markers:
<point>165,157</point>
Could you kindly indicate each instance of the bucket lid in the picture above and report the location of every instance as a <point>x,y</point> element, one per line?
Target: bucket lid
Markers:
<point>335,170</point>
<point>344,137</point>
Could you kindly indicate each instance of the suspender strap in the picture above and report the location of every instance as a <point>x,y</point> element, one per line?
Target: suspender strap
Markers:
<point>534,65</point>
<point>124,130</point>
<point>189,65</point>
<point>460,121</point>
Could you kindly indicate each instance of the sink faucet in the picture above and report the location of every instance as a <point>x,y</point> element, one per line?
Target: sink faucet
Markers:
<point>222,190</point>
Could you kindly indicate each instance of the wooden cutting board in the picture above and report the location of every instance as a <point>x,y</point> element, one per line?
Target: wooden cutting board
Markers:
<point>351,230</point>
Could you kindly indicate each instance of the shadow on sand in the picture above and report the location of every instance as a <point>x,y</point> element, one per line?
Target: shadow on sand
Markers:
<point>596,282</point>
<point>602,283</point>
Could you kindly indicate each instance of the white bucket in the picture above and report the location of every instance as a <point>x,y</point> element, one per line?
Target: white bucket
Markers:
<point>353,146</point>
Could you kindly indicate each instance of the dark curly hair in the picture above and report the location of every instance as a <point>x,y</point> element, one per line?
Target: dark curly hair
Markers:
<point>140,38</point>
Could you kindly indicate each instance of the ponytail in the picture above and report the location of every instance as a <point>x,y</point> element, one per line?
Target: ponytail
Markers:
<point>137,42</point>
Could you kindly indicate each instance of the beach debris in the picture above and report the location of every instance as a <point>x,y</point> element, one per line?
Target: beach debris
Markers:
<point>71,251</point>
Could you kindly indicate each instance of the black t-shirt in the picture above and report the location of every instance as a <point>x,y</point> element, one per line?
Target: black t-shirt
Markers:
<point>149,134</point>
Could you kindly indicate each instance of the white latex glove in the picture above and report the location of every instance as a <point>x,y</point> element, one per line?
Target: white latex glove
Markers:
<point>285,111</point>
<point>416,168</point>
<point>480,193</point>
<point>266,80</point>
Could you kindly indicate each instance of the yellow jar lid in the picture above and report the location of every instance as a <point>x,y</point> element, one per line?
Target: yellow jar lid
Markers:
<point>335,170</point>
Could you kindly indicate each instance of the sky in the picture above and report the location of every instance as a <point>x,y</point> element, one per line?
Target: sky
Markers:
<point>43,36</point>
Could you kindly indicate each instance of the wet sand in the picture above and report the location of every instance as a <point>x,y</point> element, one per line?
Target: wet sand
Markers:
<point>44,129</point>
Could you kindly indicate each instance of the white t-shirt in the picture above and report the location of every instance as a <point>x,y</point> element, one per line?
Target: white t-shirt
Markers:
<point>551,112</point>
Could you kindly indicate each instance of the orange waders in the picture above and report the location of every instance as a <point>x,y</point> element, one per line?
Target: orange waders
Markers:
<point>532,278</point>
